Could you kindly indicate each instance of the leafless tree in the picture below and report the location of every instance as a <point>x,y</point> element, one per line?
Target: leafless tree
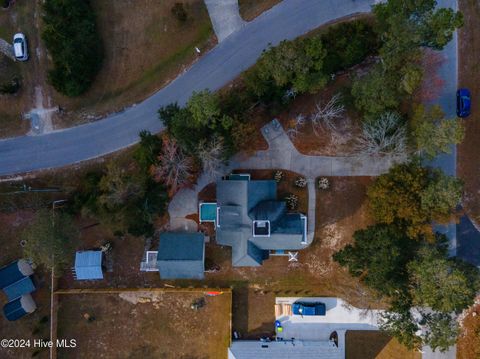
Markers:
<point>174,168</point>
<point>298,122</point>
<point>384,136</point>
<point>324,116</point>
<point>210,155</point>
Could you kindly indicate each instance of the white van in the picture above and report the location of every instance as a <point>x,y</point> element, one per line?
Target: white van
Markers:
<point>20,47</point>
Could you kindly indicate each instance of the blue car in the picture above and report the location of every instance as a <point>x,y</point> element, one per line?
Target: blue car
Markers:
<point>305,308</point>
<point>463,102</point>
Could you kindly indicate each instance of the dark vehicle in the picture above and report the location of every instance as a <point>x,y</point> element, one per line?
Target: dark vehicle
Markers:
<point>305,308</point>
<point>463,102</point>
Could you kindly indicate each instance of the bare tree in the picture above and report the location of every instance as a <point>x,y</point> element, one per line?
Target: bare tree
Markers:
<point>297,123</point>
<point>174,168</point>
<point>324,116</point>
<point>384,136</point>
<point>211,156</point>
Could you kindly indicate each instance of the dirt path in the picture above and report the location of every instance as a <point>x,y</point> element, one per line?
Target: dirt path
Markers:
<point>7,49</point>
<point>41,114</point>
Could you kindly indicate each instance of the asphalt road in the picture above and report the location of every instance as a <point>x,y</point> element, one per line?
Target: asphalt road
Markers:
<point>288,20</point>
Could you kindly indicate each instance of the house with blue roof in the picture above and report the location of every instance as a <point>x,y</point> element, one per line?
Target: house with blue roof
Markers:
<point>181,255</point>
<point>254,223</point>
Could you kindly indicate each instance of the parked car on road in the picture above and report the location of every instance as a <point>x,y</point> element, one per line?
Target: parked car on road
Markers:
<point>306,308</point>
<point>20,47</point>
<point>463,102</point>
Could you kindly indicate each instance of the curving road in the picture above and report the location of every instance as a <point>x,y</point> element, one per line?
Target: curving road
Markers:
<point>289,19</point>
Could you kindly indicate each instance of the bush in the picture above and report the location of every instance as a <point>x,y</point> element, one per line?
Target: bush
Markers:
<point>70,34</point>
<point>348,44</point>
<point>10,87</point>
<point>178,10</point>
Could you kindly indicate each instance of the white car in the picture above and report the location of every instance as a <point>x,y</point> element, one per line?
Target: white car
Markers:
<point>20,47</point>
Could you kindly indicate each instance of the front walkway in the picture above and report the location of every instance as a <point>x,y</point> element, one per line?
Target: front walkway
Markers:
<point>281,154</point>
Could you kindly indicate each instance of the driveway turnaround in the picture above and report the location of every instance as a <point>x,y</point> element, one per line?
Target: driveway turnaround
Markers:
<point>281,154</point>
<point>240,50</point>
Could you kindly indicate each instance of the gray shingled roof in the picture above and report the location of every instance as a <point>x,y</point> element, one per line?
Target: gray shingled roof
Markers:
<point>248,349</point>
<point>240,203</point>
<point>181,255</point>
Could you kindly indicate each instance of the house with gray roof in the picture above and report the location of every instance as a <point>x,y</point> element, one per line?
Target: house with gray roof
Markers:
<point>286,349</point>
<point>181,255</point>
<point>254,223</point>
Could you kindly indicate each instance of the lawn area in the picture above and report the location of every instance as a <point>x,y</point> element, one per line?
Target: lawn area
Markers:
<point>469,67</point>
<point>375,345</point>
<point>250,9</point>
<point>144,50</point>
<point>144,325</point>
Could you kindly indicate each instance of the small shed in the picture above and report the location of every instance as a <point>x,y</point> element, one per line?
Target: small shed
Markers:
<point>19,288</point>
<point>88,265</point>
<point>14,272</point>
<point>19,307</point>
<point>181,255</point>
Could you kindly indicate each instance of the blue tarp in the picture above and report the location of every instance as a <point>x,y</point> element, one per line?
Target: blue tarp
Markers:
<point>14,310</point>
<point>19,288</point>
<point>88,265</point>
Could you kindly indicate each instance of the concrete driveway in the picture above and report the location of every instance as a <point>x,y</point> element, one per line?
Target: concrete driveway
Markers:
<point>339,316</point>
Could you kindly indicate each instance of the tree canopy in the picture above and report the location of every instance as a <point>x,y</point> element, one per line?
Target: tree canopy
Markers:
<point>70,34</point>
<point>202,119</point>
<point>432,133</point>
<point>440,283</point>
<point>379,256</point>
<point>415,196</point>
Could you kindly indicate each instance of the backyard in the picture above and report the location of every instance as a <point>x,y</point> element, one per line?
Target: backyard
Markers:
<point>139,324</point>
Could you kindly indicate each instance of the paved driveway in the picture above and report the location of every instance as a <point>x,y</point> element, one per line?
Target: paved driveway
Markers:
<point>339,316</point>
<point>288,20</point>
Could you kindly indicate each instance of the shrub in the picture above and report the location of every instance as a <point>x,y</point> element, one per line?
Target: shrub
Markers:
<point>278,176</point>
<point>70,34</point>
<point>178,10</point>
<point>292,202</point>
<point>323,183</point>
<point>301,182</point>
<point>10,87</point>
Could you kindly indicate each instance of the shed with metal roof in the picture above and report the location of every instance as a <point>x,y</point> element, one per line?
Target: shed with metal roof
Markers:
<point>88,265</point>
